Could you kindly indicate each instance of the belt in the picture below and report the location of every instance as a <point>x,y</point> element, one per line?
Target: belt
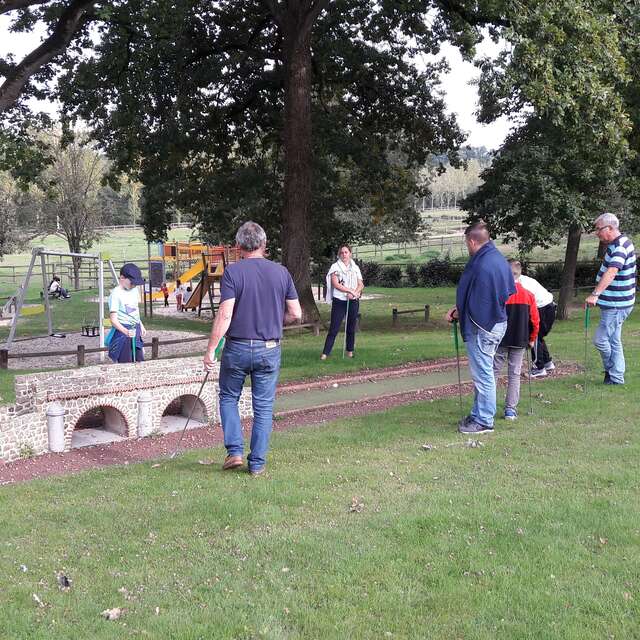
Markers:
<point>257,343</point>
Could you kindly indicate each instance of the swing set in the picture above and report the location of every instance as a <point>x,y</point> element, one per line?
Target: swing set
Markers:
<point>41,254</point>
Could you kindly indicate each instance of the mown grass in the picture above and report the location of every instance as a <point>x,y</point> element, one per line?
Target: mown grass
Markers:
<point>356,531</point>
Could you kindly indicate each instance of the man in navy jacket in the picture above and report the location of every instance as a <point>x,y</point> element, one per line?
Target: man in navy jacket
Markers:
<point>483,290</point>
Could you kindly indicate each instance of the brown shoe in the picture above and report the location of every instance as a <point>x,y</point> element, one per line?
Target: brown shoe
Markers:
<point>232,462</point>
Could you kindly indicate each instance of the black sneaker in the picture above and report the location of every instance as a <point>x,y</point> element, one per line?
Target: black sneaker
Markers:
<point>464,421</point>
<point>473,427</point>
<point>538,373</point>
<point>607,378</point>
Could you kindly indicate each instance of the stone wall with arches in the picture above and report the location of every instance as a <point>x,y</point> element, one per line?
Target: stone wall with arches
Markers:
<point>140,392</point>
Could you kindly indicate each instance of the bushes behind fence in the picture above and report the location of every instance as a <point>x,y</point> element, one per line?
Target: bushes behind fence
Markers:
<point>445,272</point>
<point>439,273</point>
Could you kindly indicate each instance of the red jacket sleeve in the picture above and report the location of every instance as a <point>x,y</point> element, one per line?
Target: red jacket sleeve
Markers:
<point>534,318</point>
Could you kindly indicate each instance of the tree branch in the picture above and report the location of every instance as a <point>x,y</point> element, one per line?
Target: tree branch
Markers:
<point>12,5</point>
<point>69,23</point>
<point>472,17</point>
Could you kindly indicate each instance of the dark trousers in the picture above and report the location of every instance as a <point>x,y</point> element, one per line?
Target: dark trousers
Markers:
<point>338,312</point>
<point>166,301</point>
<point>547,318</point>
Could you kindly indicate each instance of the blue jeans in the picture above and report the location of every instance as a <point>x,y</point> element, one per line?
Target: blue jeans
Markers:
<point>242,358</point>
<point>608,341</point>
<point>481,348</point>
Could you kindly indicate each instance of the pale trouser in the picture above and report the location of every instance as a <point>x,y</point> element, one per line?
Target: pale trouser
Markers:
<point>513,356</point>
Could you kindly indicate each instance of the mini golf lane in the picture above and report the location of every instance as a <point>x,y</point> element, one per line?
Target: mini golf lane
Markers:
<point>368,390</point>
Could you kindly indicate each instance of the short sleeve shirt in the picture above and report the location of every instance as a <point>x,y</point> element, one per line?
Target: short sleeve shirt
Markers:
<point>260,289</point>
<point>621,293</point>
<point>124,302</point>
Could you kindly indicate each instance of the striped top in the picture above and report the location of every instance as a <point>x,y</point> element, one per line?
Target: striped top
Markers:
<point>621,293</point>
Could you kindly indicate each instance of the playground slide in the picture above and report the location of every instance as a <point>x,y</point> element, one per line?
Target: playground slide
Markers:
<point>194,300</point>
<point>191,273</point>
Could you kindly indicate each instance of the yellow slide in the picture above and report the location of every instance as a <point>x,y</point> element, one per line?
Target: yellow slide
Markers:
<point>188,275</point>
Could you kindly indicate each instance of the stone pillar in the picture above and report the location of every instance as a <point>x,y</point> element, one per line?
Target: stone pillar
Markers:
<point>145,418</point>
<point>55,427</point>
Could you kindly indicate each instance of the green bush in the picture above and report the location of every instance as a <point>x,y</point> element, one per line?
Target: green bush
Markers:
<point>412,275</point>
<point>439,273</point>
<point>390,277</point>
<point>370,272</point>
<point>548,275</point>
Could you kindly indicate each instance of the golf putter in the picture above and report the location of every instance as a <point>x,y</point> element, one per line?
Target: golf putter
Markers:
<point>346,322</point>
<point>193,407</point>
<point>454,326</point>
<point>529,377</point>
<point>587,313</point>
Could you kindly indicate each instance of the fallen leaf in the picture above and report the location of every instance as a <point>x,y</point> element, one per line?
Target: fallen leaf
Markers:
<point>157,611</point>
<point>23,568</point>
<point>627,596</point>
<point>356,505</point>
<point>206,461</point>
<point>428,447</point>
<point>112,614</point>
<point>155,466</point>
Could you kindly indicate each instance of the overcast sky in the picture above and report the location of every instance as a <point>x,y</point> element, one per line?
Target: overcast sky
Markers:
<point>461,96</point>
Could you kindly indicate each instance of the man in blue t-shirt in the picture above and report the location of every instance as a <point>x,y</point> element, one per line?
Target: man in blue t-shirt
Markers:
<point>257,297</point>
<point>615,294</point>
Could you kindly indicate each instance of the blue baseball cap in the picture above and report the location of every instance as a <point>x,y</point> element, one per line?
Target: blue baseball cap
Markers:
<point>132,272</point>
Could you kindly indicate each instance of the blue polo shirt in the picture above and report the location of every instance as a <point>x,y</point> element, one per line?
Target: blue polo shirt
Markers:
<point>260,289</point>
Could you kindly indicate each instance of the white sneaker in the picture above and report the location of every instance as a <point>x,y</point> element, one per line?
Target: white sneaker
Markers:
<point>549,366</point>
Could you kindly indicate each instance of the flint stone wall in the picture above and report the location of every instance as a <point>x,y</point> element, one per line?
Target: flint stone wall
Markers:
<point>23,426</point>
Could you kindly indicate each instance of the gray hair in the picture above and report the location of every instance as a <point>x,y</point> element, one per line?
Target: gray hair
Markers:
<point>608,219</point>
<point>251,236</point>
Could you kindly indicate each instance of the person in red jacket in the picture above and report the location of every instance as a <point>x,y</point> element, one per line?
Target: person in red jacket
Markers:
<point>523,324</point>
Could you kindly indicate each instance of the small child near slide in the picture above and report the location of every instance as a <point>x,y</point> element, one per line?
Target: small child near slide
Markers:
<point>179,295</point>
<point>125,317</point>
<point>523,323</point>
<point>165,292</point>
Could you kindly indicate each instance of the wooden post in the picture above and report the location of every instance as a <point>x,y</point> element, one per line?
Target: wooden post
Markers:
<point>101,305</point>
<point>426,313</point>
<point>394,316</point>
<point>4,358</point>
<point>155,348</point>
<point>144,296</point>
<point>80,355</point>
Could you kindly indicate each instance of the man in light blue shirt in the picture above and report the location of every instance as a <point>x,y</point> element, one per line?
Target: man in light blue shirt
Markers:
<point>615,294</point>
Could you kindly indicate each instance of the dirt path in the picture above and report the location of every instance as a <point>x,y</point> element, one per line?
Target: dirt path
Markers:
<point>322,408</point>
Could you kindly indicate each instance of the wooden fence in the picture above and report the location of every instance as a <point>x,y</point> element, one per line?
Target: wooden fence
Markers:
<point>81,350</point>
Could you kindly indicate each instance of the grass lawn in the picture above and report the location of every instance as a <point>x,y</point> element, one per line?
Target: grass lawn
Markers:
<point>533,535</point>
<point>356,531</point>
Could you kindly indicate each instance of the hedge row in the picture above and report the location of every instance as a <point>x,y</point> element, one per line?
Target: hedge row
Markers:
<point>444,272</point>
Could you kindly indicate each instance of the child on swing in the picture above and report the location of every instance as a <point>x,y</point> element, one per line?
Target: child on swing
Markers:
<point>126,327</point>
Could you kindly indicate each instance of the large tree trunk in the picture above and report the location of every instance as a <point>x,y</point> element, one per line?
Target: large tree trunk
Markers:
<point>569,271</point>
<point>297,149</point>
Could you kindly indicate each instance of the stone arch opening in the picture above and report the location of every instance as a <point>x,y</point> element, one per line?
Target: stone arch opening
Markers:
<point>175,415</point>
<point>99,425</point>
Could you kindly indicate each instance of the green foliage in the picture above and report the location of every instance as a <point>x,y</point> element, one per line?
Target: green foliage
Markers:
<point>412,276</point>
<point>389,276</point>
<point>439,273</point>
<point>193,106</point>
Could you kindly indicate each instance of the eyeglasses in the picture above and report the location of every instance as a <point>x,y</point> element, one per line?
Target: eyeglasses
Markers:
<point>599,229</point>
